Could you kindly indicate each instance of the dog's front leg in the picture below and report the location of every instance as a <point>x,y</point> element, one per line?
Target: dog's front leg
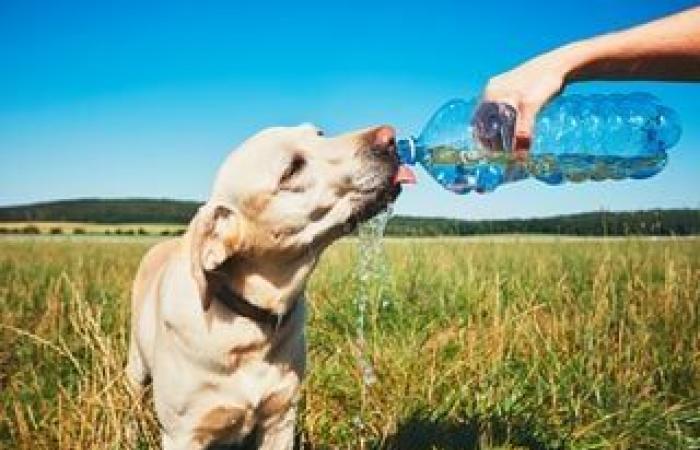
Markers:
<point>278,431</point>
<point>171,443</point>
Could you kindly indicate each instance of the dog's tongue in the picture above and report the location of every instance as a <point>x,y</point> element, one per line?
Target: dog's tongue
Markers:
<point>404,175</point>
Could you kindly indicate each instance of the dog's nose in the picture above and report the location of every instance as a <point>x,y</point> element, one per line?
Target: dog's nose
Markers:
<point>383,138</point>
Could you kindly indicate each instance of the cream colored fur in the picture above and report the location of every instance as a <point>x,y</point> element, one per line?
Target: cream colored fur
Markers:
<point>277,202</point>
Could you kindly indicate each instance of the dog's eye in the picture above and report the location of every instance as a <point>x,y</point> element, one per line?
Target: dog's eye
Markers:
<point>295,166</point>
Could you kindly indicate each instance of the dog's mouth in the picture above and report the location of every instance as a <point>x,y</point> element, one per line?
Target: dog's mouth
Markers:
<point>375,185</point>
<point>380,183</point>
<point>376,202</point>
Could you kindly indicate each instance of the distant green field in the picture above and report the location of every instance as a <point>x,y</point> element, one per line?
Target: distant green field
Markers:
<point>477,345</point>
<point>91,228</point>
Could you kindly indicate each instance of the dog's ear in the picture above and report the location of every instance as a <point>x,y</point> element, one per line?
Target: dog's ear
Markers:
<point>213,237</point>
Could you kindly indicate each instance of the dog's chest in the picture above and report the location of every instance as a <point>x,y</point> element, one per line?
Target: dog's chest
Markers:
<point>218,344</point>
<point>222,372</point>
<point>222,378</point>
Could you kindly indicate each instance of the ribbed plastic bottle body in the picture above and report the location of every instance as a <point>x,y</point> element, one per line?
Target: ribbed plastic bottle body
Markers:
<point>600,137</point>
<point>576,138</point>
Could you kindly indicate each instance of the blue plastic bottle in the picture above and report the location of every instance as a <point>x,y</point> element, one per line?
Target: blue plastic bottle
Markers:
<point>467,146</point>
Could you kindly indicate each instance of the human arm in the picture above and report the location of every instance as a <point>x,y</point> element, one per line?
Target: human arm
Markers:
<point>665,49</point>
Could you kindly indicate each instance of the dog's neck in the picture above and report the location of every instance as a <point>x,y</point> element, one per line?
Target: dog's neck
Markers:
<point>272,286</point>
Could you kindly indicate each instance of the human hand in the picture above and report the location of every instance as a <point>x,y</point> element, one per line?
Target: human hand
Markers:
<point>526,89</point>
<point>665,49</point>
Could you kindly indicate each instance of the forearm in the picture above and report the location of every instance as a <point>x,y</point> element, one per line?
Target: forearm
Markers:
<point>666,49</point>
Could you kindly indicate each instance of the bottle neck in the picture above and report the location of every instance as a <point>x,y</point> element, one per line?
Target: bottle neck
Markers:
<point>406,148</point>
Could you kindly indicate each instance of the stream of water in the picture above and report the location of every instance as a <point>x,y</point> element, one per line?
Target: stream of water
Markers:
<point>372,277</point>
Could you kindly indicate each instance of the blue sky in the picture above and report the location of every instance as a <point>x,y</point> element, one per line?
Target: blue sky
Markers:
<point>144,99</point>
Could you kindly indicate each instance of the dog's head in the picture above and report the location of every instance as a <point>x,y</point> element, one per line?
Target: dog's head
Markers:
<point>286,193</point>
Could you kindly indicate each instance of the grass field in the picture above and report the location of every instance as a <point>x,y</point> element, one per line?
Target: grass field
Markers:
<point>524,344</point>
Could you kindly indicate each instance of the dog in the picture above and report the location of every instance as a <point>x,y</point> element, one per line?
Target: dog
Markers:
<point>217,321</point>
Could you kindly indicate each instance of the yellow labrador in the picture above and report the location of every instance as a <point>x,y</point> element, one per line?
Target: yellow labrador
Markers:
<point>218,315</point>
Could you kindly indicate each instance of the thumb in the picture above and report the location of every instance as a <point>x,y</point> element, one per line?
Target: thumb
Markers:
<point>524,124</point>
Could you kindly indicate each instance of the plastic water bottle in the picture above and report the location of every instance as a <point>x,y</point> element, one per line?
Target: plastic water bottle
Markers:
<point>467,146</point>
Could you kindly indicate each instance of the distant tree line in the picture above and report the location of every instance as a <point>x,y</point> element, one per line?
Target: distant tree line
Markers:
<point>103,211</point>
<point>680,222</point>
<point>125,211</point>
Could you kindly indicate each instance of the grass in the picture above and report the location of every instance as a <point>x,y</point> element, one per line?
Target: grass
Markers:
<point>479,344</point>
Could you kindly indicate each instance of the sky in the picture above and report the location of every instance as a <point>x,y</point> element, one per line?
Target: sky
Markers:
<point>145,99</point>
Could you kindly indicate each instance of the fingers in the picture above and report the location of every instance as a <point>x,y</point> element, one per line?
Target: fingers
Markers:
<point>519,136</point>
<point>525,112</point>
<point>526,88</point>
<point>494,125</point>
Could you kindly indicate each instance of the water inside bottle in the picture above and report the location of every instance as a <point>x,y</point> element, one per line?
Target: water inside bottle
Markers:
<point>483,170</point>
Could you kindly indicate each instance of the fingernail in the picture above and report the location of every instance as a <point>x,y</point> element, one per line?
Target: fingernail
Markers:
<point>522,142</point>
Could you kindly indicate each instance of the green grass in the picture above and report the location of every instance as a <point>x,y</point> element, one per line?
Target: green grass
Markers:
<point>524,344</point>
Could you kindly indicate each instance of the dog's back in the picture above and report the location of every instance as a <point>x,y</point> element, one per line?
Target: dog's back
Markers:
<point>148,274</point>
<point>149,269</point>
